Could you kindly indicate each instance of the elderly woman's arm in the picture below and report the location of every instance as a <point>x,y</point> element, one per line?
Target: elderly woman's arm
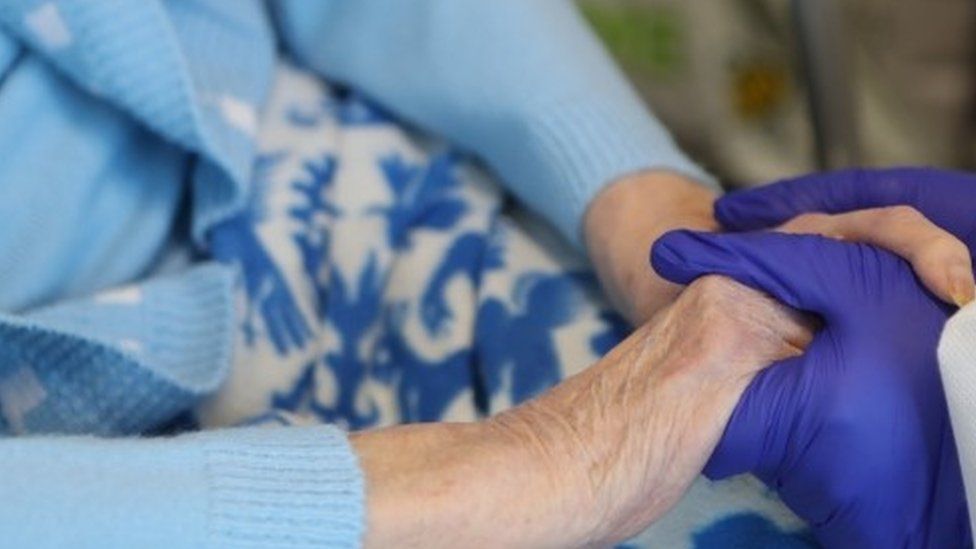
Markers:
<point>593,460</point>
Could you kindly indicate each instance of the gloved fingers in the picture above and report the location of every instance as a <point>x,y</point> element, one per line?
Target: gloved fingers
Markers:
<point>806,272</point>
<point>946,197</point>
<point>940,260</point>
<point>774,204</point>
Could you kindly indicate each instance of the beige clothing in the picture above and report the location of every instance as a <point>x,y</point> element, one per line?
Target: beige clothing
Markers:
<point>726,77</point>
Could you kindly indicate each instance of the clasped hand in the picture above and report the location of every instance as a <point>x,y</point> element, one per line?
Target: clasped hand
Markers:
<point>854,434</point>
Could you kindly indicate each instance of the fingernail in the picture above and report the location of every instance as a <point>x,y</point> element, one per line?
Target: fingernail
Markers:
<point>961,283</point>
<point>962,298</point>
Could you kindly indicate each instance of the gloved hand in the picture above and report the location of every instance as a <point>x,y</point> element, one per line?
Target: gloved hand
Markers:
<point>854,435</point>
<point>946,198</point>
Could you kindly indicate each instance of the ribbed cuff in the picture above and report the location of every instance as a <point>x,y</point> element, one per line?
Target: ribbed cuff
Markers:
<point>288,487</point>
<point>284,487</point>
<point>590,144</point>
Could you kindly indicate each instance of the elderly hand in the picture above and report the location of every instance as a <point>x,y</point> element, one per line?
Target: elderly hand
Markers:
<point>622,223</point>
<point>598,457</point>
<point>854,435</point>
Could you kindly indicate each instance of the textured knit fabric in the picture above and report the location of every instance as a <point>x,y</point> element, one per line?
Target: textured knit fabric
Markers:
<point>291,487</point>
<point>131,358</point>
<point>88,196</point>
<point>532,92</point>
<point>124,122</point>
<point>119,362</point>
<point>957,363</point>
<point>194,72</point>
<point>523,85</point>
<point>122,93</point>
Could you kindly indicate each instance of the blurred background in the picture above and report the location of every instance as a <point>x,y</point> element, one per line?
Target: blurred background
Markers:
<point>762,89</point>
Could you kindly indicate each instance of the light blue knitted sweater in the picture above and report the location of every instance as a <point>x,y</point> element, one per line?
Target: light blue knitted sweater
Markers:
<point>116,113</point>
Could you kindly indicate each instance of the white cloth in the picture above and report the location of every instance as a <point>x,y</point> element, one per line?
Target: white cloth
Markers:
<point>957,362</point>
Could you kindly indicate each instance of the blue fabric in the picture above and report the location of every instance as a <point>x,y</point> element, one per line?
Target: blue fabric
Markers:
<point>194,72</point>
<point>88,78</point>
<point>539,99</point>
<point>295,487</point>
<point>196,75</point>
<point>525,86</point>
<point>445,306</point>
<point>854,434</point>
<point>379,280</point>
<point>117,114</point>
<point>88,196</point>
<point>749,531</point>
<point>119,362</point>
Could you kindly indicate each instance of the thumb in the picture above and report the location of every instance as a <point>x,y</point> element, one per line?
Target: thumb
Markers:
<point>809,273</point>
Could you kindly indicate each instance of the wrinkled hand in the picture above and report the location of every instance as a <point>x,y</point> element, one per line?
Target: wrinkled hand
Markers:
<point>630,434</point>
<point>854,435</point>
<point>921,214</point>
<point>598,457</point>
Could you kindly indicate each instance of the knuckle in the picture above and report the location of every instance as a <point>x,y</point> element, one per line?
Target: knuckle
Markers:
<point>960,249</point>
<point>944,245</point>
<point>711,287</point>
<point>901,214</point>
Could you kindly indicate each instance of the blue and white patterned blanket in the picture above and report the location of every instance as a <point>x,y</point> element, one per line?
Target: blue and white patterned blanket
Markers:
<point>387,279</point>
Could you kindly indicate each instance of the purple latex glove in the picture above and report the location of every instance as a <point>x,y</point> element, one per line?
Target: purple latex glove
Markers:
<point>947,198</point>
<point>854,435</point>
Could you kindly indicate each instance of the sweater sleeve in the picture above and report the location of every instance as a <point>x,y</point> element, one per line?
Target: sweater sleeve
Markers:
<point>524,86</point>
<point>957,364</point>
<point>255,487</point>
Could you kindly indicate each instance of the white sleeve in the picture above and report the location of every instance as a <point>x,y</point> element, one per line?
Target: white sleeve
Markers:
<point>957,363</point>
